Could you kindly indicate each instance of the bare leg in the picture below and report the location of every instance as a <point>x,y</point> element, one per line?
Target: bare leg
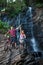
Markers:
<point>15,45</point>
<point>21,46</point>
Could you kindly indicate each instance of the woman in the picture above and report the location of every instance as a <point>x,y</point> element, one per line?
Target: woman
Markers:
<point>22,39</point>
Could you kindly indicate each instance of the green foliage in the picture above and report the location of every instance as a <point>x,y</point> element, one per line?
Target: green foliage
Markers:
<point>14,8</point>
<point>27,2</point>
<point>1,25</point>
<point>4,26</point>
<point>39,1</point>
<point>3,3</point>
<point>39,5</point>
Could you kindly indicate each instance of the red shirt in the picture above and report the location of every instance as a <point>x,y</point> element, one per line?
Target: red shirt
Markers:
<point>12,32</point>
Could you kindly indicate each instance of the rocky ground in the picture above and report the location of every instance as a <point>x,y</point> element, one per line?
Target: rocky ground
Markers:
<point>9,57</point>
<point>5,55</point>
<point>14,57</point>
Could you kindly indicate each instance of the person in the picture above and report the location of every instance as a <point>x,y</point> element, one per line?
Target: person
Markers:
<point>12,33</point>
<point>22,39</point>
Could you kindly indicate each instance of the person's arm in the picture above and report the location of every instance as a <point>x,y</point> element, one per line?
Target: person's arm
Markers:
<point>20,30</point>
<point>24,35</point>
<point>18,27</point>
<point>6,33</point>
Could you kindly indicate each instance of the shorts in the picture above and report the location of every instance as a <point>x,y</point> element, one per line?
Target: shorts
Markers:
<point>23,42</point>
<point>13,39</point>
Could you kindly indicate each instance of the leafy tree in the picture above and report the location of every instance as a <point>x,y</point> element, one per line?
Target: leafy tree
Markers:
<point>39,1</point>
<point>34,2</point>
<point>3,3</point>
<point>4,27</point>
<point>1,25</point>
<point>14,7</point>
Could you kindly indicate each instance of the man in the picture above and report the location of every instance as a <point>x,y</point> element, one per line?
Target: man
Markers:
<point>12,33</point>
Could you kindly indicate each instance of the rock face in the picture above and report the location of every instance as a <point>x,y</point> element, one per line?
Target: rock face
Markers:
<point>7,56</point>
<point>2,52</point>
<point>28,59</point>
<point>13,57</point>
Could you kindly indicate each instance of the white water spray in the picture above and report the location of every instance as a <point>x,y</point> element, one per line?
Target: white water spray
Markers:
<point>33,40</point>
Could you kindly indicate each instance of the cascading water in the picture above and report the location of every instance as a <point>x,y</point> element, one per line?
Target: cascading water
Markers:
<point>18,23</point>
<point>33,40</point>
<point>28,15</point>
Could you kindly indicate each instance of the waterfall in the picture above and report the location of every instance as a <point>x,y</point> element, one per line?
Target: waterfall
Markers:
<point>18,23</point>
<point>33,40</point>
<point>31,21</point>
